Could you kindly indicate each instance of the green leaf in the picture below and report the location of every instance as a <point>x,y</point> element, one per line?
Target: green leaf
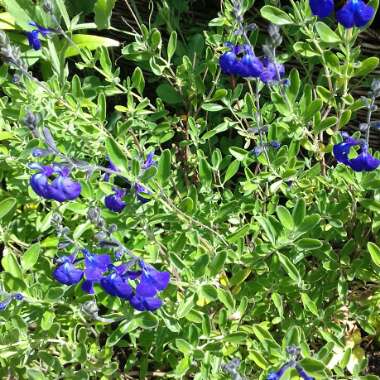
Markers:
<point>212,107</point>
<point>275,15</point>
<point>226,298</point>
<point>374,251</point>
<point>217,263</point>
<point>116,155</point>
<point>313,108</point>
<point>205,172</point>
<point>123,328</point>
<point>6,205</point>
<point>367,66</point>
<point>290,268</point>
<point>138,80</point>
<point>185,306</point>
<point>326,34</point>
<point>168,94</point>
<point>47,320</point>
<point>172,44</point>
<point>232,169</point>
<point>10,264</point>
<point>299,211</point>
<point>103,12</point>
<point>164,167</point>
<point>30,257</point>
<point>309,244</point>
<point>21,11</point>
<point>285,217</point>
<point>309,304</point>
<point>90,42</point>
<point>312,365</point>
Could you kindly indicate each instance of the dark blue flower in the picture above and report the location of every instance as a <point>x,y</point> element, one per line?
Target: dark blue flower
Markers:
<point>145,303</point>
<point>342,150</point>
<point>303,374</point>
<point>114,202</point>
<point>322,8</point>
<point>277,375</point>
<point>249,66</point>
<point>275,144</point>
<point>40,182</point>
<point>33,36</point>
<point>141,191</point>
<point>67,273</point>
<point>61,189</point>
<point>151,281</point>
<point>112,166</point>
<point>355,13</point>
<point>116,283</point>
<point>95,265</point>
<point>364,162</point>
<point>149,161</point>
<point>241,61</point>
<point>272,71</point>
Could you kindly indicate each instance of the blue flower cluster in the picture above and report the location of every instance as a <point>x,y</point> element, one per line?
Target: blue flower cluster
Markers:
<point>241,61</point>
<point>363,162</point>
<point>278,374</point>
<point>115,202</point>
<point>353,13</point>
<point>7,298</point>
<point>139,287</point>
<point>54,182</point>
<point>33,36</point>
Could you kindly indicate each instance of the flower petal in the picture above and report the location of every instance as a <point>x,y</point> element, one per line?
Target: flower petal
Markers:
<point>321,8</point>
<point>67,274</point>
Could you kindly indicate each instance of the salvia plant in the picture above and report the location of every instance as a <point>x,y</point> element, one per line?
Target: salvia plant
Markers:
<point>189,190</point>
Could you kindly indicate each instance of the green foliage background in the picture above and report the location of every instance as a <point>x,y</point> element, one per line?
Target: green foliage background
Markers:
<point>264,252</point>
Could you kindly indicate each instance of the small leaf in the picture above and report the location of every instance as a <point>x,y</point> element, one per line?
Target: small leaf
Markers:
<point>90,42</point>
<point>30,257</point>
<point>172,44</point>
<point>299,212</point>
<point>6,205</point>
<point>310,304</point>
<point>374,251</point>
<point>103,12</point>
<point>212,107</point>
<point>285,217</point>
<point>326,34</point>
<point>275,15</point>
<point>164,167</point>
<point>116,155</point>
<point>232,169</point>
<point>309,244</point>
<point>290,268</point>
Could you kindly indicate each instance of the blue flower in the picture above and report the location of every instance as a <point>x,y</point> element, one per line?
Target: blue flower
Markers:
<point>61,189</point>
<point>151,281</point>
<point>277,375</point>
<point>272,71</point>
<point>149,161</point>
<point>112,166</point>
<point>275,144</point>
<point>355,13</point>
<point>66,273</point>
<point>114,202</point>
<point>240,60</point>
<point>116,284</point>
<point>145,303</point>
<point>303,374</point>
<point>364,162</point>
<point>33,36</point>
<point>342,150</point>
<point>322,8</point>
<point>95,265</point>
<point>141,191</point>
